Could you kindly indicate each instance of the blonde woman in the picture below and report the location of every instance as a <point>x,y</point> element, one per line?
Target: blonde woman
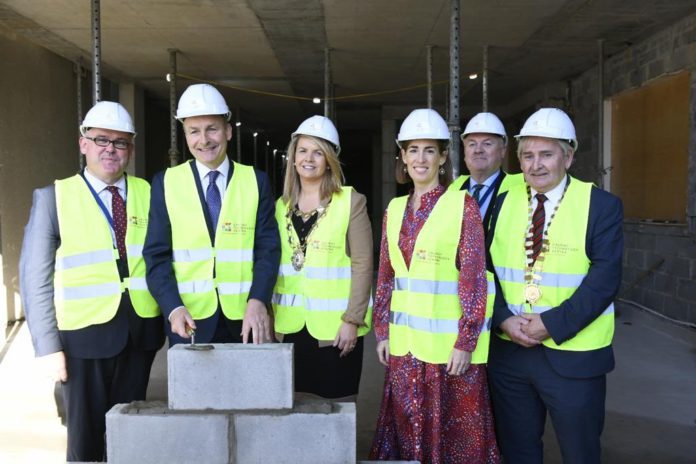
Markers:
<point>321,300</point>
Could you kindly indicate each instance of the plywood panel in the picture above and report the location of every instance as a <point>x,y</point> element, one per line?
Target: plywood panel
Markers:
<point>650,136</point>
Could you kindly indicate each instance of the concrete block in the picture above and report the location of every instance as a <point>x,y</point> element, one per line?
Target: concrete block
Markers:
<point>231,376</point>
<point>148,432</point>
<point>321,433</point>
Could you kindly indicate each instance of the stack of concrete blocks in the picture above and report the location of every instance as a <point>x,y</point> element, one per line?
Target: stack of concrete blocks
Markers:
<point>232,404</point>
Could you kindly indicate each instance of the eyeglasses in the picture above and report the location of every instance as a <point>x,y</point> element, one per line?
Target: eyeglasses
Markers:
<point>102,141</point>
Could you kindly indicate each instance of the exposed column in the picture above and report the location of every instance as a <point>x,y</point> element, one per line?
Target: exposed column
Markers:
<point>238,126</point>
<point>600,112</point>
<point>327,82</point>
<point>429,72</point>
<point>174,154</point>
<point>454,87</point>
<point>484,81</point>
<point>78,82</point>
<point>96,51</point>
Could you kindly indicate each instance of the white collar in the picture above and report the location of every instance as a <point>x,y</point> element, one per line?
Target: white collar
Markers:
<point>98,185</point>
<point>223,169</point>
<point>555,194</point>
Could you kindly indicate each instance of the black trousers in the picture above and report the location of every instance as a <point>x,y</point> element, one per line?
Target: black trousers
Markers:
<point>94,386</point>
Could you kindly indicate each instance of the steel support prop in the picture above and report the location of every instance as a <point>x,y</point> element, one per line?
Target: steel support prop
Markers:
<point>454,87</point>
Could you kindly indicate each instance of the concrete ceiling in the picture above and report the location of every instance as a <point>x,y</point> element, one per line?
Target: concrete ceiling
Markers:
<point>277,46</point>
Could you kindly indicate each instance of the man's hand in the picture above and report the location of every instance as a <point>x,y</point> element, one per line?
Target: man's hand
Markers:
<point>535,328</point>
<point>512,326</point>
<point>383,352</point>
<point>346,338</point>
<point>257,322</point>
<point>54,366</point>
<point>459,361</point>
<point>181,322</point>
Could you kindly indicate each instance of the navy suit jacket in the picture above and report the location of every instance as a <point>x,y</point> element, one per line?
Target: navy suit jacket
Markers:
<point>486,219</point>
<point>604,248</point>
<point>158,250</point>
<point>36,268</point>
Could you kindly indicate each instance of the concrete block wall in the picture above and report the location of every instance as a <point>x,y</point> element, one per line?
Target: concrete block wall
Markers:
<point>659,269</point>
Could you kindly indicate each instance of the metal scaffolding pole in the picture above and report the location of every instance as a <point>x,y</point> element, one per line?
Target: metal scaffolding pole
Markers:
<point>173,144</point>
<point>96,51</point>
<point>238,126</point>
<point>78,81</point>
<point>327,82</point>
<point>256,162</point>
<point>429,71</point>
<point>600,112</point>
<point>454,87</point>
<point>484,81</point>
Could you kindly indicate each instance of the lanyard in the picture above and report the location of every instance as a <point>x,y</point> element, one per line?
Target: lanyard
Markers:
<point>100,202</point>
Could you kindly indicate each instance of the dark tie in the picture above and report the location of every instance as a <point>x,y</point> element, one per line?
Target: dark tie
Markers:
<point>212,198</point>
<point>118,214</point>
<point>476,192</point>
<point>538,219</point>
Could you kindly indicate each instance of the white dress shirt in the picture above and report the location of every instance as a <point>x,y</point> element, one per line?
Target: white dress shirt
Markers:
<point>553,196</point>
<point>220,181</point>
<point>487,185</point>
<point>99,186</point>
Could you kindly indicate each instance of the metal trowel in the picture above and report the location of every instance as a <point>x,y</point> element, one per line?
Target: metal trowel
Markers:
<point>193,346</point>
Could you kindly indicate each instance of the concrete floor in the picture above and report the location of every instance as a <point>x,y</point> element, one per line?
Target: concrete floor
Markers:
<point>651,398</point>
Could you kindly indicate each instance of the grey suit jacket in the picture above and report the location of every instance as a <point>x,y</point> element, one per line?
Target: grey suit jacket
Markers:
<point>36,268</point>
<point>36,263</point>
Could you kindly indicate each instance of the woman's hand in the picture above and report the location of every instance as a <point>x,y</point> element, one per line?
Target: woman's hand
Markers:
<point>458,362</point>
<point>383,352</point>
<point>346,338</point>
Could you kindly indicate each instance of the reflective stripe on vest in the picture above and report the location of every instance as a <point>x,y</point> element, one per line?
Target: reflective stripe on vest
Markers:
<point>425,305</point>
<point>194,256</point>
<point>318,294</point>
<point>86,280</point>
<point>565,264</point>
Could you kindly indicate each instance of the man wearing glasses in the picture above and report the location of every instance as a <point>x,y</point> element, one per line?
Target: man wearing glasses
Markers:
<point>82,276</point>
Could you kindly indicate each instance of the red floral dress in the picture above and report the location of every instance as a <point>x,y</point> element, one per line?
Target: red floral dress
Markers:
<point>426,414</point>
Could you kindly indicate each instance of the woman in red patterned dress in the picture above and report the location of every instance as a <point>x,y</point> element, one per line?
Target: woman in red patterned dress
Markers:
<point>429,311</point>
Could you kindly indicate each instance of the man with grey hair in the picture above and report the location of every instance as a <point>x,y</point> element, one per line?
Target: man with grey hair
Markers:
<point>556,245</point>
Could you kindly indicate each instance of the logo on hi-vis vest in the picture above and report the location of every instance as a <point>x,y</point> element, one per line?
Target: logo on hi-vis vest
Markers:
<point>135,221</point>
<point>325,247</point>
<point>236,229</point>
<point>432,257</point>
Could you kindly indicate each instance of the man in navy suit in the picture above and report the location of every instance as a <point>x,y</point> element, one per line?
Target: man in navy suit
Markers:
<point>82,281</point>
<point>212,247</point>
<point>485,146</point>
<point>556,245</point>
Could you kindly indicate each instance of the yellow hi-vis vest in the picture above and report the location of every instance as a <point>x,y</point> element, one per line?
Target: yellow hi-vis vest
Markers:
<point>195,257</point>
<point>565,264</point>
<point>86,280</point>
<point>317,295</point>
<point>425,306</point>
<point>508,181</point>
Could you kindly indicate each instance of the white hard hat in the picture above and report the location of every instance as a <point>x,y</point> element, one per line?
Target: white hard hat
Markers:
<point>485,123</point>
<point>108,115</point>
<point>201,100</point>
<point>319,126</point>
<point>552,123</point>
<point>423,124</point>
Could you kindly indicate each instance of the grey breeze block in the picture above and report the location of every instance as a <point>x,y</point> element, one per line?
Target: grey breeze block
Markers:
<point>231,376</point>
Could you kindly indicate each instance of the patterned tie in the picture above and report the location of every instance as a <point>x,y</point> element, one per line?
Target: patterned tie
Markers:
<point>538,220</point>
<point>476,189</point>
<point>212,198</point>
<point>118,213</point>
